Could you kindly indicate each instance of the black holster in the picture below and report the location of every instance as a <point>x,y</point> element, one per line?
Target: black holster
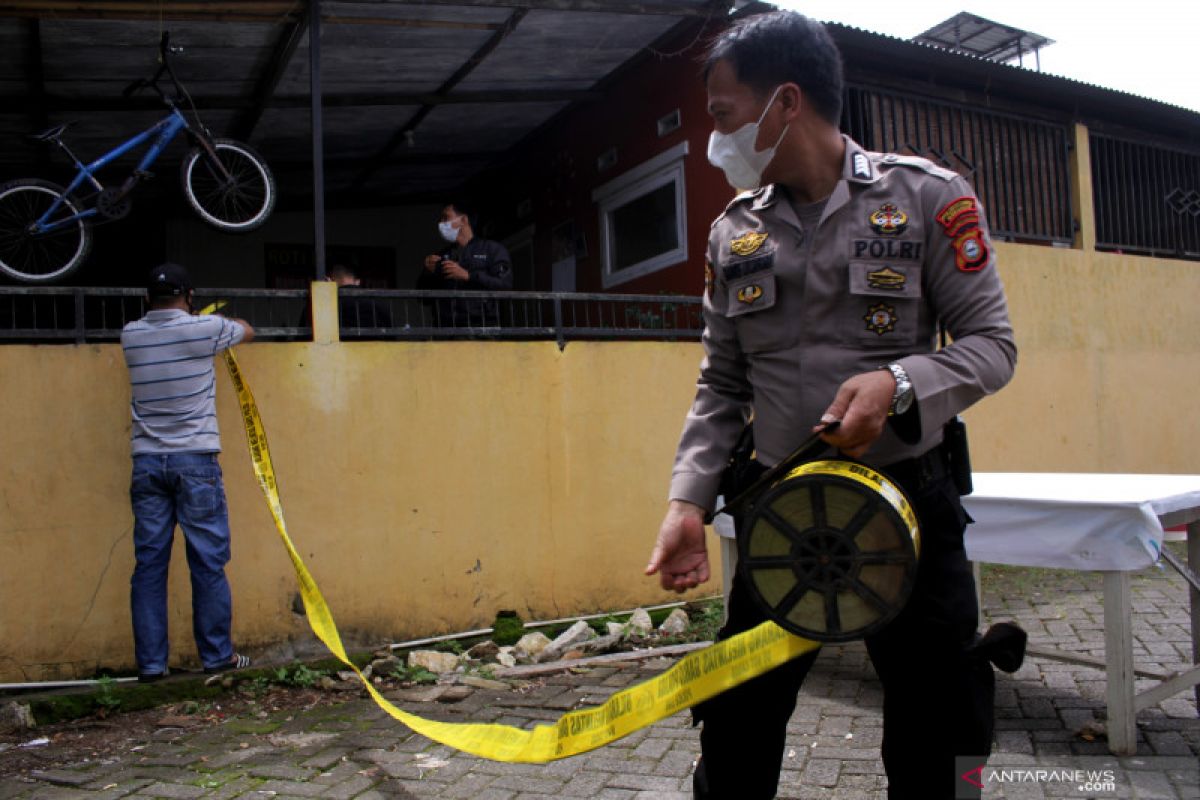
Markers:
<point>742,470</point>
<point>958,454</point>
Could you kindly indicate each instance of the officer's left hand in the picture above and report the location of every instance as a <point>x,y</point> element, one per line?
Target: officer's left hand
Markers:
<point>454,271</point>
<point>862,404</point>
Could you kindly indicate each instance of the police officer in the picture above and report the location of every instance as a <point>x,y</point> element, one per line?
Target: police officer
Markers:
<point>825,285</point>
<point>468,263</point>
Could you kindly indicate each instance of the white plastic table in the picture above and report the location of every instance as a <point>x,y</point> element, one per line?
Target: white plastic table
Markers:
<point>1097,522</point>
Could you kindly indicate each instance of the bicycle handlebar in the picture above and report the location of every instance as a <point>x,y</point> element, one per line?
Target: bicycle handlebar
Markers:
<point>164,66</point>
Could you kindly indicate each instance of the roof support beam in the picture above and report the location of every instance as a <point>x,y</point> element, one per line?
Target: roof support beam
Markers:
<point>281,56</point>
<point>272,11</point>
<point>35,68</point>
<point>661,7</point>
<point>346,100</point>
<point>405,133</point>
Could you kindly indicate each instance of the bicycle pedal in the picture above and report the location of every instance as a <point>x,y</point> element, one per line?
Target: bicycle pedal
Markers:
<point>143,174</point>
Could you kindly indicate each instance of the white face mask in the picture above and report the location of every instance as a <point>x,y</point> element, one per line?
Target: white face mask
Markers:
<point>735,155</point>
<point>448,231</point>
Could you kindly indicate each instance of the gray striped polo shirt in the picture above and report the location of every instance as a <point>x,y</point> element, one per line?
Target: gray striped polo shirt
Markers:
<point>170,353</point>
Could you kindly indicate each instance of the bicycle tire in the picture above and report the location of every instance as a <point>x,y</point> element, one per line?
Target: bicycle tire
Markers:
<point>39,258</point>
<point>236,207</point>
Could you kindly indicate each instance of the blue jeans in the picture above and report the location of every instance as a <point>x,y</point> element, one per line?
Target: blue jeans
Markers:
<point>184,488</point>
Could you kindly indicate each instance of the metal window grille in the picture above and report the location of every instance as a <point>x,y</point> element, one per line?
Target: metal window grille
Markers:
<point>1146,197</point>
<point>1019,167</point>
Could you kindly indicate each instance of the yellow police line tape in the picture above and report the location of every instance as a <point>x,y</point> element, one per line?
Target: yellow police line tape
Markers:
<point>696,677</point>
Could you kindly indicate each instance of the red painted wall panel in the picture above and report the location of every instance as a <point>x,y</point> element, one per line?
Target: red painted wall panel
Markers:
<point>556,170</point>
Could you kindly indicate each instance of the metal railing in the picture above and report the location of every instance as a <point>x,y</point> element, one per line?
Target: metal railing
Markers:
<point>68,314</point>
<point>1019,167</point>
<point>95,314</point>
<point>1146,197</point>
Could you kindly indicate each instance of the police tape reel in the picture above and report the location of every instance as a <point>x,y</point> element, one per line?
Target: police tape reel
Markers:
<point>829,551</point>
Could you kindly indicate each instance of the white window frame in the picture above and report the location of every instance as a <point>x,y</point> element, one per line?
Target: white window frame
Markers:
<point>664,168</point>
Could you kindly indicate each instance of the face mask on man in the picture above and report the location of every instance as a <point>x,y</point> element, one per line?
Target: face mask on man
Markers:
<point>448,231</point>
<point>735,155</point>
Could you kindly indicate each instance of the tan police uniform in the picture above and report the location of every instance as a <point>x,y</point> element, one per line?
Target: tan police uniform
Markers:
<point>791,313</point>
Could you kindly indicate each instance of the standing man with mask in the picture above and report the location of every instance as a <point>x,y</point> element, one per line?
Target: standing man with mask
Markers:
<point>469,263</point>
<point>824,289</point>
<point>176,476</point>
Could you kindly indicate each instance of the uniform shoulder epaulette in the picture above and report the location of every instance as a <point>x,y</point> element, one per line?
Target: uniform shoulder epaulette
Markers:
<point>924,164</point>
<point>740,197</point>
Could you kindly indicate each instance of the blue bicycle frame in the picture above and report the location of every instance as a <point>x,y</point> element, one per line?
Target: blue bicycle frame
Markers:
<point>165,129</point>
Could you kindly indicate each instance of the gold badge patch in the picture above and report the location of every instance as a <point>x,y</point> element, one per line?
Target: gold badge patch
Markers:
<point>881,318</point>
<point>709,278</point>
<point>748,294</point>
<point>747,243</point>
<point>886,278</point>
<point>888,220</point>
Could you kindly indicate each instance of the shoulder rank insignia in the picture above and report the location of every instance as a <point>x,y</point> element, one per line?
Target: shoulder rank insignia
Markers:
<point>881,318</point>
<point>862,166</point>
<point>748,294</point>
<point>886,278</point>
<point>889,220</point>
<point>747,243</point>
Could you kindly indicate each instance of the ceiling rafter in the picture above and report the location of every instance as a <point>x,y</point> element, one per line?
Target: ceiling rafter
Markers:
<point>271,11</point>
<point>281,55</point>
<point>406,131</point>
<point>672,8</point>
<point>343,100</point>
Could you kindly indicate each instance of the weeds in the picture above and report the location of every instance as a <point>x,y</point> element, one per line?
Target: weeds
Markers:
<point>106,698</point>
<point>298,675</point>
<point>418,675</point>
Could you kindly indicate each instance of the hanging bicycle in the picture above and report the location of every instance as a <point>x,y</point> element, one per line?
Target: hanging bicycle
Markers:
<point>45,229</point>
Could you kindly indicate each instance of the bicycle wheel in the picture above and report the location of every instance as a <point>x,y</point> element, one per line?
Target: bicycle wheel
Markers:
<point>237,195</point>
<point>39,257</point>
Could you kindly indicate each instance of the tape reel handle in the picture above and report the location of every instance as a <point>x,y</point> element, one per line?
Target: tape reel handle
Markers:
<point>807,450</point>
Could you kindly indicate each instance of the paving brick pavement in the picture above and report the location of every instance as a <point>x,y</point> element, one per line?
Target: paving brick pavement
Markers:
<point>1049,715</point>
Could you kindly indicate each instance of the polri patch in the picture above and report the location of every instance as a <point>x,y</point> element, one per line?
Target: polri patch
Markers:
<point>709,278</point>
<point>888,220</point>
<point>747,243</point>
<point>881,318</point>
<point>748,294</point>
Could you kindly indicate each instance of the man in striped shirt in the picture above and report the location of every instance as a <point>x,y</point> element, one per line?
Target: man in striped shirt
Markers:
<point>176,478</point>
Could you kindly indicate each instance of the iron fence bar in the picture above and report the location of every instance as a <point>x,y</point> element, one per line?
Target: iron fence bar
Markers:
<point>79,330</point>
<point>558,323</point>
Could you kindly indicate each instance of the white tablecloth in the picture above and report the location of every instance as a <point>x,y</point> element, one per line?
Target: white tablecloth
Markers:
<point>1074,520</point>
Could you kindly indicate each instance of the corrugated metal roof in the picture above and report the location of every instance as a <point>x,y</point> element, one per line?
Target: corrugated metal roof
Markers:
<point>417,93</point>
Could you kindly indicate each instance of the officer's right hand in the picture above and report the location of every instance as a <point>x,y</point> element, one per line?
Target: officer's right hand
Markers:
<point>680,556</point>
<point>431,263</point>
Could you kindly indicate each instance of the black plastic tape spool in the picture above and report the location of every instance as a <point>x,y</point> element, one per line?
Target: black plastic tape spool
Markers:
<point>830,551</point>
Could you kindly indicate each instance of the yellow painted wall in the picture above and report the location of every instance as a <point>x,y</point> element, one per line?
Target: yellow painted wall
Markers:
<point>430,484</point>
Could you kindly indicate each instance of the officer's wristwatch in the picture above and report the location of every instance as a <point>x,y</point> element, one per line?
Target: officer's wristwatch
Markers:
<point>902,398</point>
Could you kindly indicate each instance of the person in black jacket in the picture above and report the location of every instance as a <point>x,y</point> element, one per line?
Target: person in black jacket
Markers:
<point>469,263</point>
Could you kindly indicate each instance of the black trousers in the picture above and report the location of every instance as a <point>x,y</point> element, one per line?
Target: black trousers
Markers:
<point>938,697</point>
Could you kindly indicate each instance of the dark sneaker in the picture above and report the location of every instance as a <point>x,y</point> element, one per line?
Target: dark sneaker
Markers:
<point>238,661</point>
<point>151,677</point>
